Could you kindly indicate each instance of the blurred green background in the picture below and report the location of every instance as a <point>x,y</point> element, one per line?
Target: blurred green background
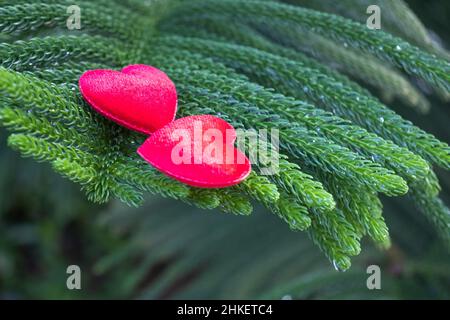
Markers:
<point>167,249</point>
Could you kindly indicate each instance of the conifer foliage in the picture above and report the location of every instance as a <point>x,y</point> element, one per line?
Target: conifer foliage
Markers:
<point>259,64</point>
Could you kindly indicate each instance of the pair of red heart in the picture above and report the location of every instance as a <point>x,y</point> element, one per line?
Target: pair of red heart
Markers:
<point>194,150</point>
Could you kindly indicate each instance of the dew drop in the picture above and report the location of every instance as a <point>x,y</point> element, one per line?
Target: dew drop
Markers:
<point>286,297</point>
<point>381,119</point>
<point>338,267</point>
<point>335,265</point>
<point>398,48</point>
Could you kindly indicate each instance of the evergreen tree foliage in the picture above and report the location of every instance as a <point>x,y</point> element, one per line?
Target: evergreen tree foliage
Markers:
<point>296,66</point>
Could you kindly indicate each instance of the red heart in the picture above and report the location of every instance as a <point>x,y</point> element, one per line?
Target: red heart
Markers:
<point>198,151</point>
<point>140,97</point>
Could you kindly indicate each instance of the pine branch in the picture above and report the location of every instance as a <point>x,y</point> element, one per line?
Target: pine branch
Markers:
<point>39,52</point>
<point>96,17</point>
<point>292,212</point>
<point>363,67</point>
<point>234,202</point>
<point>385,46</point>
<point>398,18</point>
<point>435,210</point>
<point>360,66</point>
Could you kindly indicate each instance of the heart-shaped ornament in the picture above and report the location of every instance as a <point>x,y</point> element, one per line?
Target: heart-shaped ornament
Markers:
<point>197,150</point>
<point>140,97</point>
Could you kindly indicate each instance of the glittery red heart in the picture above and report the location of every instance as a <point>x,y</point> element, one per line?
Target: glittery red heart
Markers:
<point>198,151</point>
<point>140,97</point>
